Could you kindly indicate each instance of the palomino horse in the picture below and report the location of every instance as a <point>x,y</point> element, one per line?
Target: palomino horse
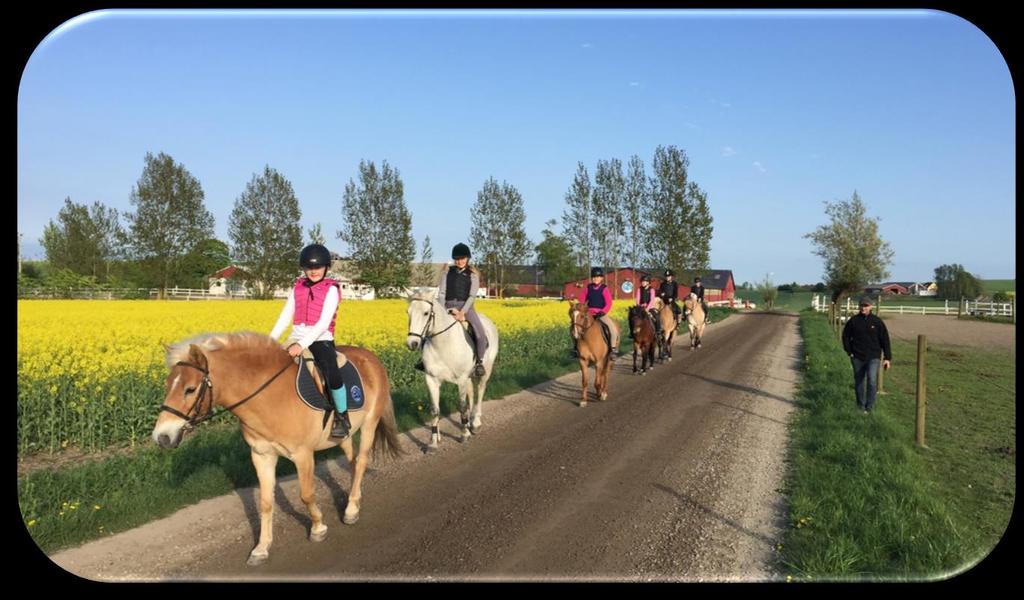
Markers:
<point>592,348</point>
<point>694,319</point>
<point>644,339</point>
<point>254,378</point>
<point>448,356</point>
<point>667,319</point>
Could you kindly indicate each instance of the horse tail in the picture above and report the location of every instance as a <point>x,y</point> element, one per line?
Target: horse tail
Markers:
<point>385,440</point>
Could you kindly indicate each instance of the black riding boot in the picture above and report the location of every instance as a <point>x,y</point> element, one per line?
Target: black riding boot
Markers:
<point>341,426</point>
<point>479,370</point>
<point>419,365</point>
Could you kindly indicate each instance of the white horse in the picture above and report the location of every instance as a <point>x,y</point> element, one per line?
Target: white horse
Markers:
<point>448,356</point>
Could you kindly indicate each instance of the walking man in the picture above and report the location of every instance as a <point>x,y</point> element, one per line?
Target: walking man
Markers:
<point>864,339</point>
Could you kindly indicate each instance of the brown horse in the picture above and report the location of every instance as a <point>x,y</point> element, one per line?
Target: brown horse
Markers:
<point>592,348</point>
<point>252,376</point>
<point>644,339</point>
<point>667,319</point>
<point>694,319</point>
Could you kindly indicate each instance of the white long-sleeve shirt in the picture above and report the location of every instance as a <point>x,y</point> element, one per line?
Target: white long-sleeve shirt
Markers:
<point>305,334</point>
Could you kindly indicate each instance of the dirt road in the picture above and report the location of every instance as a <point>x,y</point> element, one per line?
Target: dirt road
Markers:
<point>674,478</point>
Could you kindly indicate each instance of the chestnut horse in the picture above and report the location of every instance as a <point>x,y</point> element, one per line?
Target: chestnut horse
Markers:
<point>592,348</point>
<point>694,319</point>
<point>644,339</point>
<point>252,376</point>
<point>667,319</point>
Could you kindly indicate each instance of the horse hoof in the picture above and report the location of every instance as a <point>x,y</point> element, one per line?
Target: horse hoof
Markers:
<point>318,537</point>
<point>350,519</point>
<point>582,404</point>
<point>256,560</point>
<point>604,396</point>
<point>430,449</point>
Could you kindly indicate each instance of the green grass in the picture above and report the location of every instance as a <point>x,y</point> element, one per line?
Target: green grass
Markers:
<point>150,483</point>
<point>784,301</point>
<point>991,286</point>
<point>865,502</point>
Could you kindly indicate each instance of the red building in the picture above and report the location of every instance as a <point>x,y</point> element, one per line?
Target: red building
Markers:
<point>718,284</point>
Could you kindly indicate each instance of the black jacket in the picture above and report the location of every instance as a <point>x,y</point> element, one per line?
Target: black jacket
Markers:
<point>865,337</point>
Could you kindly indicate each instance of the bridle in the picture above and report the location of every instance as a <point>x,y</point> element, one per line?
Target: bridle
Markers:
<point>579,329</point>
<point>430,322</point>
<point>196,414</point>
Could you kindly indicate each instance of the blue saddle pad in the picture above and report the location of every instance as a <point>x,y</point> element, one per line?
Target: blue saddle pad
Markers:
<point>307,390</point>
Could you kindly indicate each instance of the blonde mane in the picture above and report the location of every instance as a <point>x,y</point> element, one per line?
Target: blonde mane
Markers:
<point>211,342</point>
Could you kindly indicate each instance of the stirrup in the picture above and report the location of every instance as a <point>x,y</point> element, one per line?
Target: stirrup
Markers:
<point>341,426</point>
<point>479,370</point>
<point>419,366</point>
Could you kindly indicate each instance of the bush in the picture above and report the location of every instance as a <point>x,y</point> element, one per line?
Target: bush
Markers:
<point>1000,297</point>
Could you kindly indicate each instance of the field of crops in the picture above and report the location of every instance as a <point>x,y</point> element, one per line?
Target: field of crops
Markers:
<point>90,373</point>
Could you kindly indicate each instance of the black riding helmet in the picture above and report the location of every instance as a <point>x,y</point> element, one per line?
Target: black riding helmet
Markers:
<point>645,278</point>
<point>696,279</point>
<point>597,272</point>
<point>668,272</point>
<point>460,251</point>
<point>314,255</point>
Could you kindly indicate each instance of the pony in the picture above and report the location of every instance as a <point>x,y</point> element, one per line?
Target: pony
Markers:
<point>694,319</point>
<point>448,357</point>
<point>254,379</point>
<point>644,339</point>
<point>667,319</point>
<point>591,348</point>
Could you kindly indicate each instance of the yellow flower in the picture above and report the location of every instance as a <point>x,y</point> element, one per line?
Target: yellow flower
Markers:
<point>32,523</point>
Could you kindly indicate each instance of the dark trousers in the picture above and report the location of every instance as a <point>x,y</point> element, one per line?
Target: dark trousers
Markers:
<point>326,358</point>
<point>865,382</point>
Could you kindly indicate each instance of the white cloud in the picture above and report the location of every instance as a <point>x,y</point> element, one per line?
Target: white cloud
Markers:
<point>728,151</point>
<point>759,167</point>
<point>691,125</point>
<point>634,83</point>
<point>586,45</point>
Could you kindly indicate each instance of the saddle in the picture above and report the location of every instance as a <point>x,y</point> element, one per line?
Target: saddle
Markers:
<point>311,385</point>
<point>606,333</point>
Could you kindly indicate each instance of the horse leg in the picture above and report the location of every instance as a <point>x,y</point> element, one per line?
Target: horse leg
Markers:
<point>265,470</point>
<point>478,411</point>
<point>346,449</point>
<point>304,465</point>
<point>465,397</point>
<point>634,355</point>
<point>434,387</point>
<point>583,369</point>
<point>602,380</point>
<point>369,430</point>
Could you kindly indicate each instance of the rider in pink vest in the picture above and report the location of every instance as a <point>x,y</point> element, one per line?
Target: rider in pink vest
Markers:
<point>312,309</point>
<point>598,299</point>
<point>645,296</point>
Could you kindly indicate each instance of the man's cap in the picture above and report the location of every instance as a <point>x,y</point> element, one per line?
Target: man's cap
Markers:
<point>866,300</point>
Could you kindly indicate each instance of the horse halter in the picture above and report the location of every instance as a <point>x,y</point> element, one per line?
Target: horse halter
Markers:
<point>194,419</point>
<point>430,322</point>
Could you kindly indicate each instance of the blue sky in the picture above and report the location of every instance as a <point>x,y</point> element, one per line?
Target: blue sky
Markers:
<point>779,111</point>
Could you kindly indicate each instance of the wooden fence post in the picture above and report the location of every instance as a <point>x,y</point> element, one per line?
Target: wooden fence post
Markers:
<point>960,307</point>
<point>921,399</point>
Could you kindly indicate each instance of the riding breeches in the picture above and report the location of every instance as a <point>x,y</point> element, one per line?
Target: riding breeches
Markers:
<point>327,359</point>
<point>478,326</point>
<point>612,328</point>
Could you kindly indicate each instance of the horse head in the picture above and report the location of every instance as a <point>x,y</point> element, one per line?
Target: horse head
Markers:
<point>580,318</point>
<point>188,395</point>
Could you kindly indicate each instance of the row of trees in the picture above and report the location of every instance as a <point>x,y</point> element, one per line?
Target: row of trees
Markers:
<point>168,238</point>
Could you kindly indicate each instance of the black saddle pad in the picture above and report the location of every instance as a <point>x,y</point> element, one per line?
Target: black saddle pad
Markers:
<point>309,393</point>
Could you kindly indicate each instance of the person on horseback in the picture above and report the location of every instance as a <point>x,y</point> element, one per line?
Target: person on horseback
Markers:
<point>645,299</point>
<point>312,309</point>
<point>698,289</point>
<point>598,299</point>
<point>457,291</point>
<point>669,294</point>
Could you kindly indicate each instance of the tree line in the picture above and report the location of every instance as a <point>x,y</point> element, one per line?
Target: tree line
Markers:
<point>167,238</point>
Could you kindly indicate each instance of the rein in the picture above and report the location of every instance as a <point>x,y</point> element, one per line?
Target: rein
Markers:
<point>200,415</point>
<point>430,321</point>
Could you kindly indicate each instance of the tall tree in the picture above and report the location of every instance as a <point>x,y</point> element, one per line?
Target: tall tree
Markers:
<point>854,253</point>
<point>670,213</point>
<point>555,257</point>
<point>265,232</point>
<point>955,282</point>
<point>316,236</point>
<point>170,218</point>
<point>636,206</point>
<point>84,240</point>
<point>609,221</point>
<point>701,228</point>
<point>426,276</point>
<point>378,228</point>
<point>576,220</point>
<point>498,229</point>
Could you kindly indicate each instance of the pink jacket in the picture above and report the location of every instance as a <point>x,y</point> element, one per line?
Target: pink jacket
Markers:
<point>309,302</point>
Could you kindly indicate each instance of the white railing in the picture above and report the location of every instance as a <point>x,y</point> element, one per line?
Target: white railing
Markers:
<point>1003,309</point>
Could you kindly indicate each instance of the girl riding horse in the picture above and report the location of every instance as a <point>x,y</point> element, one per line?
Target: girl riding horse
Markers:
<point>598,300</point>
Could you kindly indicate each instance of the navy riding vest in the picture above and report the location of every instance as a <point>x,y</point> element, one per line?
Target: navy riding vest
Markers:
<point>457,285</point>
<point>645,295</point>
<point>669,289</point>
<point>699,290</point>
<point>595,295</point>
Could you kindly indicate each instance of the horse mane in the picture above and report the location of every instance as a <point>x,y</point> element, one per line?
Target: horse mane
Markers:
<point>423,295</point>
<point>212,342</point>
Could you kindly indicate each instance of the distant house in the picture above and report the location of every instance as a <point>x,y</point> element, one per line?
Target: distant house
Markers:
<point>899,288</point>
<point>927,288</point>
<point>228,281</point>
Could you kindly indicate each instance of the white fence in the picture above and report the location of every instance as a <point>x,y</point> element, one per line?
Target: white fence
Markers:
<point>1001,309</point>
